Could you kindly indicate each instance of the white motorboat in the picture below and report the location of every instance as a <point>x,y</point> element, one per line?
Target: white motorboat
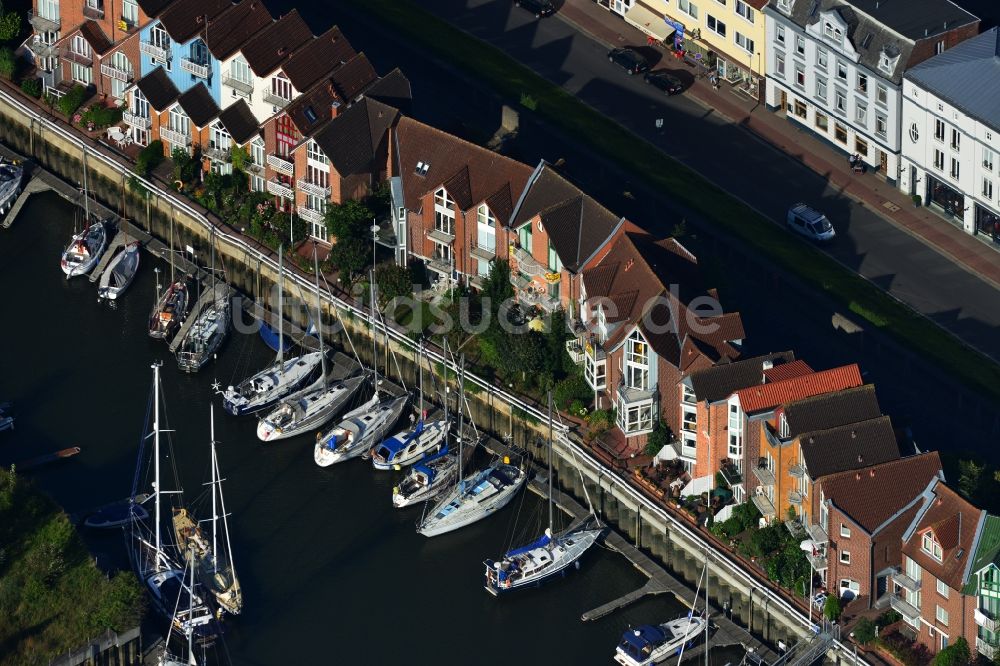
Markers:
<point>407,447</point>
<point>358,431</point>
<point>308,409</point>
<point>85,250</point>
<point>649,644</point>
<point>11,175</point>
<point>426,480</point>
<point>205,336</point>
<point>119,273</point>
<point>474,498</point>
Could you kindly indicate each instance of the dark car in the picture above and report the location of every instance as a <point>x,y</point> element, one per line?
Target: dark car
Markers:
<point>632,61</point>
<point>539,8</point>
<point>665,81</point>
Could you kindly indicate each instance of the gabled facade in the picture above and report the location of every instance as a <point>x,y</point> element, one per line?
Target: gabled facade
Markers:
<point>186,123</point>
<point>836,68</point>
<point>147,104</point>
<point>984,586</point>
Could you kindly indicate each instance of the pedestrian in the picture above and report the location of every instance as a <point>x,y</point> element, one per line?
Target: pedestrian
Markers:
<point>650,41</point>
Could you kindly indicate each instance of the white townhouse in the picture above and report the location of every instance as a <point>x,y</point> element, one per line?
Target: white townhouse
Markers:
<point>951,134</point>
<point>836,68</point>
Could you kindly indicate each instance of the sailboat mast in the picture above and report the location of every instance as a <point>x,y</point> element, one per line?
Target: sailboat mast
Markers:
<point>156,454</point>
<point>421,366</point>
<point>319,316</point>
<point>461,413</point>
<point>281,309</point>
<point>86,197</point>
<point>371,312</point>
<point>215,481</point>
<point>550,462</point>
<point>447,389</point>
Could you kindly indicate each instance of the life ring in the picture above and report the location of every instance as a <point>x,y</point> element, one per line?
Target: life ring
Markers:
<point>179,184</point>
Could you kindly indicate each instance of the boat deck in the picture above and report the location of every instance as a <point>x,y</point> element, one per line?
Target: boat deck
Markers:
<point>109,253</point>
<point>221,290</point>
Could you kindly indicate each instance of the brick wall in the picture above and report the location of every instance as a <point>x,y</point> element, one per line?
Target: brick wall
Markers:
<point>924,48</point>
<point>960,610</point>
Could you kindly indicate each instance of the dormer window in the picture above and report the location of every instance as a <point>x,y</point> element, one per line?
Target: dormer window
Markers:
<point>887,63</point>
<point>785,6</point>
<point>832,32</point>
<point>782,426</point>
<point>422,168</point>
<point>930,546</point>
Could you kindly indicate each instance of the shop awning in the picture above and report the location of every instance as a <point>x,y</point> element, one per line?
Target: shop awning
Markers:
<point>649,22</point>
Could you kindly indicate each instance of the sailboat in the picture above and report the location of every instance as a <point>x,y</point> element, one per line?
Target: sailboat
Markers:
<point>277,380</point>
<point>215,572</point>
<point>152,557</point>
<point>543,558</point>
<point>85,249</point>
<point>359,430</point>
<point>648,644</point>
<point>169,312</point>
<point>167,658</point>
<point>11,175</point>
<point>314,406</point>
<point>208,331</point>
<point>473,498</point>
<point>120,272</point>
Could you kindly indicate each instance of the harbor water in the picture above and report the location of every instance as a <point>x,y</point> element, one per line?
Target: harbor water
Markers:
<point>330,571</point>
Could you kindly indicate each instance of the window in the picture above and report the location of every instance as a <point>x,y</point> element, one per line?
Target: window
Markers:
<point>862,83</point>
<point>721,2</point>
<point>315,154</point>
<point>930,546</point>
<point>636,418</point>
<point>179,122</point>
<point>318,175</point>
<point>716,26</point>
<point>82,73</point>
<point>988,159</point>
<point>80,46</point>
<point>130,12</point>
<point>821,88</point>
<point>860,146</point>
<point>745,43</point>
<point>687,395</point>
<point>914,133</point>
<point>689,420</point>
<point>800,109</point>
<point>840,133</point>
<point>939,47</point>
<point>840,101</point>
<point>257,183</point>
<point>841,70</point>
<point>688,8</point>
<point>833,32</point>
<point>596,372</point>
<point>486,223</point>
<point>257,152</point>
<point>845,557</point>
<point>942,588</point>
<point>444,212</point>
<point>239,70</point>
<point>939,130</point>
<point>821,58</point>
<point>886,64</point>
<point>779,64</point>
<point>636,362</point>
<point>800,45</point>
<point>987,188</point>
<point>845,531</point>
<point>554,264</point>
<point>938,160</point>
<point>219,138</point>
<point>48,9</point>
<point>881,94</point>
<point>941,615</point>
<point>785,5</point>
<point>881,123</point>
<point>800,75</point>
<point>822,123</point>
<point>779,34</point>
<point>159,37</point>
<point>524,238</point>
<point>954,168</point>
<point>956,139</point>
<point>281,87</point>
<point>860,114</point>
<point>744,10</point>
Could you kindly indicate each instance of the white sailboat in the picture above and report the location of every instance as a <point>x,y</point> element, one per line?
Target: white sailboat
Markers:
<point>120,272</point>
<point>277,380</point>
<point>313,407</point>
<point>168,658</point>
<point>85,249</point>
<point>11,176</point>
<point>544,558</point>
<point>358,431</point>
<point>208,331</point>
<point>215,569</point>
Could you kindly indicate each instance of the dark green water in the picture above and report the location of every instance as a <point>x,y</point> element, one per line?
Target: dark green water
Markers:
<point>330,571</point>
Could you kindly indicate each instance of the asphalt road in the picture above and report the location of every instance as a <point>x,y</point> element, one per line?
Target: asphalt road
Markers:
<point>734,159</point>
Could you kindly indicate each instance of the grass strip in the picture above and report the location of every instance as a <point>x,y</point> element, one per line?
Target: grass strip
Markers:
<point>729,215</point>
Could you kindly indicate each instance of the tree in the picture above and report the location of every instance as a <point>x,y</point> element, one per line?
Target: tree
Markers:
<point>969,474</point>
<point>239,157</point>
<point>10,25</point>
<point>392,281</point>
<point>831,608</point>
<point>657,439</point>
<point>350,255</point>
<point>864,631</point>
<point>496,285</point>
<point>349,220</point>
<point>956,654</point>
<point>8,63</point>
<point>556,356</point>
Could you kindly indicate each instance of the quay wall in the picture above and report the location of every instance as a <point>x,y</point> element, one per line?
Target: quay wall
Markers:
<point>252,269</point>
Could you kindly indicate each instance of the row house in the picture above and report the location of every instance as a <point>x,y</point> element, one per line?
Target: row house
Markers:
<point>858,520</point>
<point>984,585</point>
<point>254,72</point>
<point>453,201</point>
<point>175,42</point>
<point>643,333</point>
<point>937,584</point>
<point>81,52</point>
<point>224,37</point>
<point>187,122</point>
<point>148,99</point>
<point>836,68</point>
<point>952,121</point>
<point>704,411</point>
<point>779,469</point>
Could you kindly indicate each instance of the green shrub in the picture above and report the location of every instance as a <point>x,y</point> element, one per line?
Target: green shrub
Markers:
<point>573,388</point>
<point>831,608</point>
<point>529,102</point>
<point>765,541</point>
<point>8,63</point>
<point>71,101</point>
<point>956,654</point>
<point>917,200</point>
<point>32,87</point>
<point>102,116</point>
<point>149,157</point>
<point>864,631</point>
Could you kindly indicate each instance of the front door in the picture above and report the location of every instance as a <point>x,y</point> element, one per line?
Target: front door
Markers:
<point>784,101</point>
<point>883,162</point>
<point>913,180</point>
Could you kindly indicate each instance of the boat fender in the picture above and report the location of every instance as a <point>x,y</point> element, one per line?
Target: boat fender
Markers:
<point>319,436</point>
<point>395,490</point>
<point>397,467</point>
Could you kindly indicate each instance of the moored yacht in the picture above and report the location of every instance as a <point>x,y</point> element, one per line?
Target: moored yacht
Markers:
<point>11,175</point>
<point>169,312</point>
<point>474,498</point>
<point>205,336</point>
<point>427,479</point>
<point>85,250</point>
<point>649,644</point>
<point>358,431</point>
<point>409,446</point>
<point>119,273</point>
<point>308,409</point>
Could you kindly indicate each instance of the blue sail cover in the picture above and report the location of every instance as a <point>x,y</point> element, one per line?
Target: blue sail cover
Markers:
<point>427,471</point>
<point>537,543</point>
<point>434,456</point>
<point>270,337</point>
<point>394,444</point>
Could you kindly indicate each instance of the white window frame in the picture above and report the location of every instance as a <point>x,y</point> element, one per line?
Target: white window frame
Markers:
<point>845,557</point>
<point>860,114</point>
<point>821,88</point>
<point>842,70</point>
<point>779,34</point>
<point>744,42</point>
<point>315,154</point>
<point>988,158</point>
<point>940,615</point>
<point>82,73</point>
<point>822,58</point>
<point>239,70</point>
<point>956,168</point>
<point>929,545</point>
<point>840,101</point>
<point>987,189</point>
<point>444,212</point>
<point>779,63</point>
<point>735,423</point>
<point>744,11</point>
<point>938,160</point>
<point>130,11</point>
<point>715,25</point>
<point>845,531</point>
<point>881,125</point>
<point>596,371</point>
<point>800,45</point>
<point>881,94</point>
<point>688,7</point>
<point>635,360</point>
<point>942,588</point>
<point>636,418</point>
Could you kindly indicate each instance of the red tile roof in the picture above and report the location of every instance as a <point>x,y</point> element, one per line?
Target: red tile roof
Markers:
<point>768,396</point>
<point>791,370</point>
<point>954,523</point>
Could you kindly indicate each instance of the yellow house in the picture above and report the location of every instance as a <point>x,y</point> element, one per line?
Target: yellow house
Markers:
<point>726,35</point>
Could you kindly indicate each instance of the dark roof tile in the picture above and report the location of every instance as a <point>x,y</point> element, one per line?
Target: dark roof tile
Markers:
<point>354,139</point>
<point>848,447</point>
<point>153,8</point>
<point>186,18</point>
<point>94,34</point>
<point>158,89</point>
<point>271,46</point>
<point>721,381</point>
<point>234,27</point>
<point>392,89</point>
<point>240,122</point>
<point>316,57</point>
<point>199,105</point>
<point>831,409</point>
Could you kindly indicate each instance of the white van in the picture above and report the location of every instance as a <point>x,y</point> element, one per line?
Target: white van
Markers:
<point>809,222</point>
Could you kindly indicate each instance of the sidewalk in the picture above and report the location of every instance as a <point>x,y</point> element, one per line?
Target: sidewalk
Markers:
<point>775,130</point>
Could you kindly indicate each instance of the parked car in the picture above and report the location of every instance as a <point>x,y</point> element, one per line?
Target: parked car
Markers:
<point>809,222</point>
<point>539,8</point>
<point>665,81</point>
<point>631,60</point>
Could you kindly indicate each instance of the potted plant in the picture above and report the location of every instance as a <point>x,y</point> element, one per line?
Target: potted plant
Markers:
<point>917,200</point>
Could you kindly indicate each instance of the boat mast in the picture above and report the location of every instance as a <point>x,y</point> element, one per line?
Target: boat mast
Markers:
<point>371,312</point>
<point>421,366</point>
<point>447,389</point>
<point>550,464</point>
<point>281,310</point>
<point>215,481</point>
<point>222,505</point>
<point>319,316</point>
<point>156,456</point>
<point>86,197</point>
<point>461,414</point>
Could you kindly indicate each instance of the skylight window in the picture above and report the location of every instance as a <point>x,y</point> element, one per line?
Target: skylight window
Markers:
<point>310,114</point>
<point>422,168</point>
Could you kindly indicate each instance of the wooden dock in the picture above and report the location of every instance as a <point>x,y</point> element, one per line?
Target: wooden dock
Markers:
<point>221,290</point>
<point>34,185</point>
<point>109,253</point>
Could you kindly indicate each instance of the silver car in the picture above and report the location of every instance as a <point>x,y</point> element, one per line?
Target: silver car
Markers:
<point>809,222</point>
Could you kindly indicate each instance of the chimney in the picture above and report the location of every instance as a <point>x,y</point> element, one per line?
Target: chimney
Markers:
<point>871,473</point>
<point>857,476</point>
<point>861,459</point>
<point>768,364</point>
<point>854,434</point>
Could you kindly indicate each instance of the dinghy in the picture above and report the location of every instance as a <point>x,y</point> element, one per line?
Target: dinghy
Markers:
<point>119,274</point>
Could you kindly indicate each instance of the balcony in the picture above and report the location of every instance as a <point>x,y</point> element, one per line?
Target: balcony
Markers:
<point>903,607</point>
<point>794,497</point>
<point>440,263</point>
<point>575,349</point>
<point>279,189</point>
<point>311,214</point>
<point>798,471</point>
<point>93,12</point>
<point>312,188</point>
<point>987,649</point>
<point>282,165</point>
<point>115,73</point>
<point>985,619</point>
<point>200,69</point>
<point>540,299</point>
<point>476,281</point>
<point>912,584</point>
<point>276,99</point>
<point>217,154</point>
<point>256,169</point>
<point>154,51</point>
<point>175,137</point>
<point>763,474</point>
<point>484,251</point>
<point>763,504</point>
<point>42,24</point>
<point>527,264</point>
<point>817,558</point>
<point>238,85</point>
<point>137,121</point>
<point>43,50</point>
<point>631,394</point>
<point>443,236</point>
<point>731,473</point>
<point>87,60</point>
<point>817,533</point>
